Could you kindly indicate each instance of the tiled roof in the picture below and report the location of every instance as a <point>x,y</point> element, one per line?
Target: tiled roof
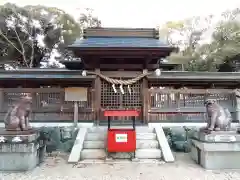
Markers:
<point>119,42</point>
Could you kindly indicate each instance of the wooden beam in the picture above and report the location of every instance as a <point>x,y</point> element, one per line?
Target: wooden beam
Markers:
<point>120,32</point>
<point>56,110</point>
<point>97,97</point>
<point>123,74</point>
<point>191,91</point>
<point>157,52</point>
<point>122,66</point>
<point>145,97</point>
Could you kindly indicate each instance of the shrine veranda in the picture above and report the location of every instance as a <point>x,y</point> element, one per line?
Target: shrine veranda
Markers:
<point>49,105</point>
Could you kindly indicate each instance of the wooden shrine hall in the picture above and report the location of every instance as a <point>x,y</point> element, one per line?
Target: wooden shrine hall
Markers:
<point>120,54</point>
<point>120,57</point>
<point>121,69</point>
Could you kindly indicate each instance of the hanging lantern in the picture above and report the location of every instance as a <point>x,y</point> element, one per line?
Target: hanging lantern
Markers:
<point>158,72</point>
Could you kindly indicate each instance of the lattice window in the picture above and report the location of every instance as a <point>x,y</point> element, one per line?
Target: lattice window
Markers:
<point>112,100</point>
<point>48,103</point>
<point>162,100</point>
<point>163,103</point>
<point>191,100</point>
<point>223,99</point>
<point>57,99</point>
<point>9,98</point>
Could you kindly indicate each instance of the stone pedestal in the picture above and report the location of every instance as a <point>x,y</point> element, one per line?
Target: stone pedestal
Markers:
<point>218,150</point>
<point>21,150</point>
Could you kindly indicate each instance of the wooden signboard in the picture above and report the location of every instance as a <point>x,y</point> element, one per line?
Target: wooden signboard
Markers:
<point>75,94</point>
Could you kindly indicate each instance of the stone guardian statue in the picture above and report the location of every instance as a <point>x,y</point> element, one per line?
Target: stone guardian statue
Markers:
<point>218,117</point>
<point>17,118</point>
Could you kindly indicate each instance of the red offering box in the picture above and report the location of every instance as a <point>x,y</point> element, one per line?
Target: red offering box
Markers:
<point>121,140</point>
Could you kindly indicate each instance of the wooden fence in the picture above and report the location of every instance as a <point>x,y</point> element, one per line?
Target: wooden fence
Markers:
<point>186,104</point>
<point>48,104</point>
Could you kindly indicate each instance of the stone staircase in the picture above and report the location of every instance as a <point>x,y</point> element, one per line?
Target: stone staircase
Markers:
<point>95,143</point>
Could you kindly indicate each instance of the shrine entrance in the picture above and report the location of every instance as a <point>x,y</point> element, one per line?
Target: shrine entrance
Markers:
<point>129,99</point>
<point>120,60</point>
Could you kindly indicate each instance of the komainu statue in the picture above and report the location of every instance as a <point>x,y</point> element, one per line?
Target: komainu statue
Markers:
<point>17,118</point>
<point>218,117</point>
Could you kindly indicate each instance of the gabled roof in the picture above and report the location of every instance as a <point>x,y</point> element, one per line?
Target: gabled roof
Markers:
<point>118,42</point>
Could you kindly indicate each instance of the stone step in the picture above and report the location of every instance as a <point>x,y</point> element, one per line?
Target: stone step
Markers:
<point>93,154</point>
<point>147,144</point>
<point>103,136</point>
<point>141,144</point>
<point>95,137</point>
<point>101,129</point>
<point>94,145</point>
<point>140,154</point>
<point>146,136</point>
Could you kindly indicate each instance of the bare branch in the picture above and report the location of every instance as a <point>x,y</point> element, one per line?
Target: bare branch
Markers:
<point>32,53</point>
<point>25,41</point>
<point>20,42</point>
<point>22,46</point>
<point>5,37</point>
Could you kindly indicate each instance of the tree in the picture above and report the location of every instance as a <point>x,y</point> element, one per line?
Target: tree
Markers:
<point>225,45</point>
<point>34,34</point>
<point>185,34</point>
<point>25,37</point>
<point>88,20</point>
<point>210,56</point>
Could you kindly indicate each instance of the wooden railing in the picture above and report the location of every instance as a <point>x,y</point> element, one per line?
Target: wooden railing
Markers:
<point>48,104</point>
<point>186,104</point>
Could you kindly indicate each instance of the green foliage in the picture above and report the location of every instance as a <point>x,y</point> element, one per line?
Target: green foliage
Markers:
<point>179,138</point>
<point>19,39</point>
<point>196,56</point>
<point>54,135</point>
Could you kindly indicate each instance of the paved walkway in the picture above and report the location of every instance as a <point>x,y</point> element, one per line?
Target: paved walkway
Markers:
<point>182,169</point>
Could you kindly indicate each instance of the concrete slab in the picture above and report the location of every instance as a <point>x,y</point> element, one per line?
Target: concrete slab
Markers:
<point>148,153</point>
<point>93,154</point>
<point>78,146</point>
<point>166,150</point>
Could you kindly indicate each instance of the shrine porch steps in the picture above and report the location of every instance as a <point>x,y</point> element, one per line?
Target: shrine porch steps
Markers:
<point>90,144</point>
<point>94,145</point>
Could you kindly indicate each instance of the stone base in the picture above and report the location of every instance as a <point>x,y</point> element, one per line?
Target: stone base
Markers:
<point>23,155</point>
<point>217,136</point>
<point>26,136</point>
<point>218,150</point>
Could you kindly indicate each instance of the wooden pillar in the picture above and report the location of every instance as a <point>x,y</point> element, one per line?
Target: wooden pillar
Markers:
<point>1,98</point>
<point>145,98</point>
<point>75,115</point>
<point>97,98</point>
<point>34,86</point>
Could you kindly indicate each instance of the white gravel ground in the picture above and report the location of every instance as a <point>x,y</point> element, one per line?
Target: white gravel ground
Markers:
<point>183,169</point>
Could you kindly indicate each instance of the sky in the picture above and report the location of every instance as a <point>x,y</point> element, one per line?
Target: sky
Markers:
<point>141,13</point>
